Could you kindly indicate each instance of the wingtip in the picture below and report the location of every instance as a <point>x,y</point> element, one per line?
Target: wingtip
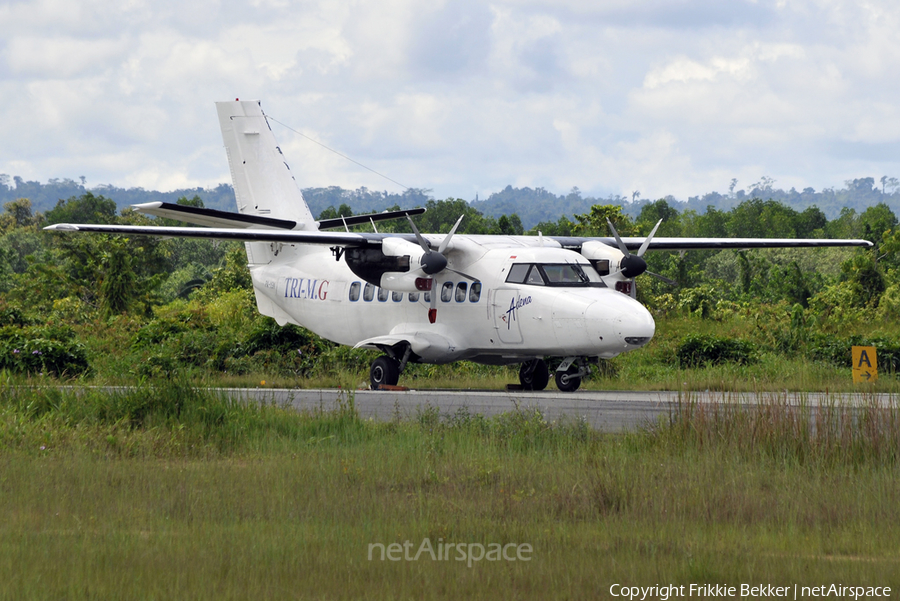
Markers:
<point>62,227</point>
<point>147,205</point>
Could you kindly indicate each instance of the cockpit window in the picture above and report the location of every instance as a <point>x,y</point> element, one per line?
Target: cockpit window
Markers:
<point>535,277</point>
<point>517,273</point>
<point>554,274</point>
<point>565,274</point>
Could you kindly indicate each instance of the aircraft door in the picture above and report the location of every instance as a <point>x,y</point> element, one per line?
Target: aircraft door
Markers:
<point>506,316</point>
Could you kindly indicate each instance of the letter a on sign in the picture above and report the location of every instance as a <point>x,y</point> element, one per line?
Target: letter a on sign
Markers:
<point>865,364</point>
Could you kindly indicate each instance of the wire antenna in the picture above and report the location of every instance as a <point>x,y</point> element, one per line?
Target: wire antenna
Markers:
<point>336,152</point>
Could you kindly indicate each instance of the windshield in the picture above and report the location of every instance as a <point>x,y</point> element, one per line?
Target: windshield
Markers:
<point>554,274</point>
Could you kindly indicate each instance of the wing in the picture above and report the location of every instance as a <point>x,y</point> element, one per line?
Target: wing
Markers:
<point>574,243</point>
<point>243,234</point>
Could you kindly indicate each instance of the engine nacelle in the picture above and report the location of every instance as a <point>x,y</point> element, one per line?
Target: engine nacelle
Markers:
<point>398,247</point>
<point>605,259</point>
<point>608,263</point>
<point>395,266</point>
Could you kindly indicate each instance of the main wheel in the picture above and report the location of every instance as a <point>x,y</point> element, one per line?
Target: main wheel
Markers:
<point>534,375</point>
<point>567,381</point>
<point>384,372</point>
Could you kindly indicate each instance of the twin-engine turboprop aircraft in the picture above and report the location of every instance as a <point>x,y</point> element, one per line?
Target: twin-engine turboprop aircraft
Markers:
<point>432,298</point>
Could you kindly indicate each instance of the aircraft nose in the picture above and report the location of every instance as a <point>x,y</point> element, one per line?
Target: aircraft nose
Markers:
<point>619,323</point>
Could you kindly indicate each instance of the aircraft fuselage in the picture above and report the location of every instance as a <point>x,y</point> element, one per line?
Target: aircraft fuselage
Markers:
<point>490,320</point>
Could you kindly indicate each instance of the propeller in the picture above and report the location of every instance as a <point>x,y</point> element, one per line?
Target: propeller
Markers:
<point>434,262</point>
<point>633,265</point>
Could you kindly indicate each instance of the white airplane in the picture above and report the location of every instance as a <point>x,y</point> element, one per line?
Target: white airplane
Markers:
<point>432,298</point>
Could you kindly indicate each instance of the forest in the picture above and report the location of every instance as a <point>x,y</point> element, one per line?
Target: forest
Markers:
<point>122,309</point>
<point>532,205</point>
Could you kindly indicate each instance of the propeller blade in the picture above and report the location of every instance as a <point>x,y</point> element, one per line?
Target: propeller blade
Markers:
<point>446,241</point>
<point>662,278</point>
<point>422,242</point>
<point>465,275</point>
<point>621,244</point>
<point>646,243</point>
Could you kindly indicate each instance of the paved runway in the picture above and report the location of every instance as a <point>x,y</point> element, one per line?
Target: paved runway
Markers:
<point>609,411</point>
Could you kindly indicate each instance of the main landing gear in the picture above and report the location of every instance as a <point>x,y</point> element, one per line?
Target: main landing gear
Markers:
<point>534,375</point>
<point>386,369</point>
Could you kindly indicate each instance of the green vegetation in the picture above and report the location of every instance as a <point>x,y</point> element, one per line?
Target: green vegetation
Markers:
<point>118,310</point>
<point>170,492</point>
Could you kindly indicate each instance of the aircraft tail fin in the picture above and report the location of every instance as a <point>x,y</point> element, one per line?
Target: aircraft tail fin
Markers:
<point>263,183</point>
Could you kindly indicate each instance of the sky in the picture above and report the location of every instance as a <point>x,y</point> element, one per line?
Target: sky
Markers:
<point>657,97</point>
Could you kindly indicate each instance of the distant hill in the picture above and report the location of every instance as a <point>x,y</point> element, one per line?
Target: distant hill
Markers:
<point>531,205</point>
<point>534,206</point>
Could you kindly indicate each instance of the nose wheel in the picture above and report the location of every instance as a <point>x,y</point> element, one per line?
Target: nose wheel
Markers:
<point>534,375</point>
<point>569,373</point>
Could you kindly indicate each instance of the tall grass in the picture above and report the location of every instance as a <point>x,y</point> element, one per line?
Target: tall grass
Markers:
<point>822,434</point>
<point>170,492</point>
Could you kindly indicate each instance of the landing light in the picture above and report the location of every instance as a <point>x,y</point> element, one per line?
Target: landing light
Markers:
<point>636,339</point>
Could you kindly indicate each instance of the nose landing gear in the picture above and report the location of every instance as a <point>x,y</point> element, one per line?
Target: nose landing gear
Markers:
<point>570,372</point>
<point>386,369</point>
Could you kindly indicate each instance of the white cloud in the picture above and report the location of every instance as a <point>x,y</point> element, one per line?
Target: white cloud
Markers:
<point>661,96</point>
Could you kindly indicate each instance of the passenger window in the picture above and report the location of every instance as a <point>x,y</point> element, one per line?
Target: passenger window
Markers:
<point>447,292</point>
<point>517,273</point>
<point>534,277</point>
<point>383,294</point>
<point>396,296</point>
<point>413,297</point>
<point>369,293</point>
<point>427,297</point>
<point>475,292</point>
<point>461,289</point>
<point>354,292</point>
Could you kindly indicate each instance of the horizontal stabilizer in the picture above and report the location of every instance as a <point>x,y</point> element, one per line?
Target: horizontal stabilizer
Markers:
<point>212,217</point>
<point>325,224</point>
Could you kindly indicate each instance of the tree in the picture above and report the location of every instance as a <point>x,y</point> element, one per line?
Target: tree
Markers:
<point>441,215</point>
<point>510,226</point>
<point>594,223</point>
<point>18,214</point>
<point>756,218</point>
<point>86,208</point>
<point>651,213</point>
<point>876,222</point>
<point>812,219</point>
<point>118,284</point>
<point>331,213</point>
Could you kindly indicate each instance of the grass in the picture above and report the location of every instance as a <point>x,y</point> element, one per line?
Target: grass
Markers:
<point>633,371</point>
<point>165,492</point>
<point>777,366</point>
